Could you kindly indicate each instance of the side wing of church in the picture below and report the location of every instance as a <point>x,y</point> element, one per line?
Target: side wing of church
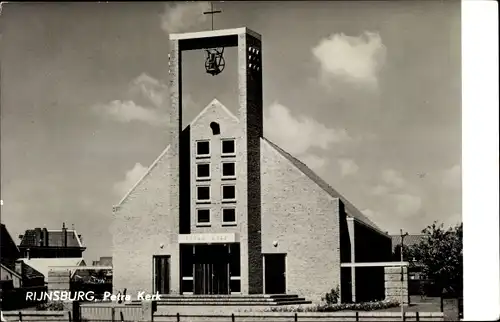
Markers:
<point>223,210</point>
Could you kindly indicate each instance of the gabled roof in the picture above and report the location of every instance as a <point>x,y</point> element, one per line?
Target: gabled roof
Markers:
<point>7,247</point>
<point>27,271</point>
<point>409,240</point>
<point>56,238</point>
<point>351,210</point>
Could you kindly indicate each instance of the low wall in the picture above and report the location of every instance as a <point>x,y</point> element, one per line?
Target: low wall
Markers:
<point>58,280</point>
<point>394,286</point>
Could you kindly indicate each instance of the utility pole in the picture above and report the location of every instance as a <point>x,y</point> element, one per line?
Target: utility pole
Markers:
<point>402,272</point>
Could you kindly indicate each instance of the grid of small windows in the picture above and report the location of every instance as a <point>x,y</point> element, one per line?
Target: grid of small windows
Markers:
<point>203,188</point>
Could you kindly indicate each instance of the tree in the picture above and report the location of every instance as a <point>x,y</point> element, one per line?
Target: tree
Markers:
<point>440,253</point>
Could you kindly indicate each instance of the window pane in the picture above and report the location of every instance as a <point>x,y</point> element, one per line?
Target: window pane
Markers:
<point>202,148</point>
<point>235,286</point>
<point>229,215</point>
<point>228,147</point>
<point>203,215</point>
<point>187,286</point>
<point>203,193</point>
<point>228,192</point>
<point>228,170</point>
<point>203,170</point>
<point>234,265</point>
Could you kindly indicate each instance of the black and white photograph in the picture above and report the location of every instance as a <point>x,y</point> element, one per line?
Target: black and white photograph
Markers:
<point>234,161</point>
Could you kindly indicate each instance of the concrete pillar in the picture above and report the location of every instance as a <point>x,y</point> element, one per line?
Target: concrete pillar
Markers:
<point>350,228</point>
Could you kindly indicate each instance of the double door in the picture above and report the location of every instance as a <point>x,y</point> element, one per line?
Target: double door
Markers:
<point>211,269</point>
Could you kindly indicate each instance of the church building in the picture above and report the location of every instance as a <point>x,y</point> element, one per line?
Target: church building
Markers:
<point>223,210</point>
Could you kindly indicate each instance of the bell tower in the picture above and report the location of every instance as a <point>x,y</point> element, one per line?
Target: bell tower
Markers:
<point>250,116</point>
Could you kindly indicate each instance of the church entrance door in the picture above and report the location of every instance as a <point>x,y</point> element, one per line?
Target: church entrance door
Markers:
<point>211,269</point>
<point>275,273</point>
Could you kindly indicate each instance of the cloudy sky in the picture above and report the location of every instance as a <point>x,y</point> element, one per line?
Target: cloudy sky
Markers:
<point>368,94</point>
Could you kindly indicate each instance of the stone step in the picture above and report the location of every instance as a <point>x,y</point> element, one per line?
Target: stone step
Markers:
<point>231,300</point>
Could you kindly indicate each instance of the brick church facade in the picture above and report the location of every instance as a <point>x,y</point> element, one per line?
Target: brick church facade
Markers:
<point>223,210</point>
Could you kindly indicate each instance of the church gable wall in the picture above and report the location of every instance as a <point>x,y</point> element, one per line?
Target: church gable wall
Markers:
<point>304,221</point>
<point>143,226</point>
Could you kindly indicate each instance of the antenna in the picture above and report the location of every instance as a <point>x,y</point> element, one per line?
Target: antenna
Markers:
<point>212,13</point>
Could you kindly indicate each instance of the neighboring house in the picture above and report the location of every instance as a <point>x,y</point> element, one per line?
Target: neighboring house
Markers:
<point>59,243</point>
<point>418,282</point>
<point>223,210</point>
<point>16,277</point>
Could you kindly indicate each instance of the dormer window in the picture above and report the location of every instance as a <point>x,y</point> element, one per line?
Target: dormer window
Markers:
<point>203,149</point>
<point>228,147</point>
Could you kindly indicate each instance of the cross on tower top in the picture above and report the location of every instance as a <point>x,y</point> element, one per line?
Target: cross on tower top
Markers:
<point>212,13</point>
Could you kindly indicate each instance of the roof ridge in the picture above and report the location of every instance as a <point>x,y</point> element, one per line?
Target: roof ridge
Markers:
<point>148,171</point>
<point>215,101</point>
<point>321,183</point>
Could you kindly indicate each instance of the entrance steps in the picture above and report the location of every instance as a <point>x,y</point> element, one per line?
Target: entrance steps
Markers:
<point>230,300</point>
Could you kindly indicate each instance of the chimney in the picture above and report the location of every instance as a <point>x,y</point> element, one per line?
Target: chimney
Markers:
<point>38,237</point>
<point>19,268</point>
<point>45,237</point>
<point>65,234</point>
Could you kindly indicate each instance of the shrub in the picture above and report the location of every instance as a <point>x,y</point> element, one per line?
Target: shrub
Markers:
<point>50,306</point>
<point>366,306</point>
<point>332,297</point>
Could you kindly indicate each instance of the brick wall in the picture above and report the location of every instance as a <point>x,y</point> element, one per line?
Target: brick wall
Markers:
<point>145,225</point>
<point>304,220</point>
<point>394,286</point>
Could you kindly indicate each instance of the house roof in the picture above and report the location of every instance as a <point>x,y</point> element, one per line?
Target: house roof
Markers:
<point>55,239</point>
<point>351,210</point>
<point>8,246</point>
<point>44,265</point>
<point>27,271</point>
<point>409,240</point>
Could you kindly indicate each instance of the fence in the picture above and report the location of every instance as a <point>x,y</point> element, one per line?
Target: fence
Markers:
<point>242,317</point>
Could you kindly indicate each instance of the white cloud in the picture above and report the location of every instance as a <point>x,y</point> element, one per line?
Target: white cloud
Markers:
<point>353,59</point>
<point>131,178</point>
<point>314,162</point>
<point>348,167</point>
<point>180,17</point>
<point>150,88</point>
<point>452,177</point>
<point>153,98</point>
<point>379,190</point>
<point>406,205</point>
<point>128,111</point>
<point>393,178</point>
<point>297,134</point>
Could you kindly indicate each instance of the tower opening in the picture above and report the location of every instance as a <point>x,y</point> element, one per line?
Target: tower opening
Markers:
<point>215,128</point>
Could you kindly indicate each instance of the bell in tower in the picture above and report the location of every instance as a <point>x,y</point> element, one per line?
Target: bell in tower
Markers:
<point>215,63</point>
